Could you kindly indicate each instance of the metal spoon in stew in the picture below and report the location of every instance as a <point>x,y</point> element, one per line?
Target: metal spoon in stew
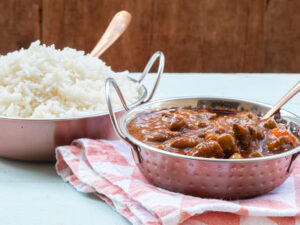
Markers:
<point>282,101</point>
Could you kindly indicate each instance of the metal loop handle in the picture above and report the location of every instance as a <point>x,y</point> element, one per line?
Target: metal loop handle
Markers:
<point>109,81</point>
<point>112,116</point>
<point>160,70</point>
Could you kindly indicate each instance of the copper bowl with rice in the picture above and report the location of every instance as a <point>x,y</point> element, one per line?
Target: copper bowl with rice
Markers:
<point>34,138</point>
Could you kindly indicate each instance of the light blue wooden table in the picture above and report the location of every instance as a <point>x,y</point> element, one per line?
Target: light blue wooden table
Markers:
<point>32,194</point>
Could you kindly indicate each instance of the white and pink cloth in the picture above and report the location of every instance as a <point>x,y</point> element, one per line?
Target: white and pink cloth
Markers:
<point>107,169</point>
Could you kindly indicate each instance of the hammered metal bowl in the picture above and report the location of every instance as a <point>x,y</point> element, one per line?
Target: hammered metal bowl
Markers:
<point>206,177</point>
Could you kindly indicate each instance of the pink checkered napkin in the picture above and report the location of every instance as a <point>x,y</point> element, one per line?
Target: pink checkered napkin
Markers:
<point>107,169</point>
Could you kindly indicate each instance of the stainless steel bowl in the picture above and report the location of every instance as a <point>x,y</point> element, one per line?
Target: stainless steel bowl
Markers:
<point>206,177</point>
<point>36,139</point>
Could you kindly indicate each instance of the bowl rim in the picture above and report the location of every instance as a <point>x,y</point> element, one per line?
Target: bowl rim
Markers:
<point>87,116</point>
<point>124,123</point>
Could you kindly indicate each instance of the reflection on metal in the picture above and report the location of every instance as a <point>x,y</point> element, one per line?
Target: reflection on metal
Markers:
<point>206,177</point>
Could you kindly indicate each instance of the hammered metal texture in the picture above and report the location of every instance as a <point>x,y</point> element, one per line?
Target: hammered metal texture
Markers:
<point>226,180</point>
<point>212,179</point>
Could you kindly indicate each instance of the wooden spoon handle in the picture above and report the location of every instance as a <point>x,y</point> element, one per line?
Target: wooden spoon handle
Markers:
<point>117,26</point>
<point>282,101</point>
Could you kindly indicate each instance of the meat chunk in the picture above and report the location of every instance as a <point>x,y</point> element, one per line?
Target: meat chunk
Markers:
<point>256,132</point>
<point>162,135</point>
<point>202,123</point>
<point>250,115</point>
<point>269,124</point>
<point>255,155</point>
<point>184,142</point>
<point>177,123</point>
<point>242,133</point>
<point>227,142</point>
<point>209,115</point>
<point>192,126</point>
<point>211,136</point>
<point>207,149</point>
<point>236,156</point>
<point>158,136</point>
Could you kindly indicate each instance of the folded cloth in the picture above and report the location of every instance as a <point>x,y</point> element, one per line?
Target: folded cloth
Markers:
<point>107,169</point>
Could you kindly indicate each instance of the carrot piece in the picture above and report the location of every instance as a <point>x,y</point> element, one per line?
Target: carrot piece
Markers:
<point>277,132</point>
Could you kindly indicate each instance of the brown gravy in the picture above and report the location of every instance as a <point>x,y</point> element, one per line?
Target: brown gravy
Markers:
<point>215,133</point>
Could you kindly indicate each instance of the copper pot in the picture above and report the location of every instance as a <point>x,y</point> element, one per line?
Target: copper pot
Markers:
<point>36,139</point>
<point>207,177</point>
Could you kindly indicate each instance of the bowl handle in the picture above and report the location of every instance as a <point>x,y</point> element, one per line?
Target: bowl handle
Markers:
<point>160,70</point>
<point>109,81</point>
<point>112,81</point>
<point>294,157</point>
<point>112,115</point>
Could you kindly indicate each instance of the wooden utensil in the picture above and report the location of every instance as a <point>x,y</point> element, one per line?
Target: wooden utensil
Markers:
<point>282,101</point>
<point>115,29</point>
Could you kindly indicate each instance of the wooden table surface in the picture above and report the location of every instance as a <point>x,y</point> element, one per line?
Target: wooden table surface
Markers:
<point>33,194</point>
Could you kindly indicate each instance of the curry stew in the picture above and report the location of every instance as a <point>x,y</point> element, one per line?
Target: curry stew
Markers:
<point>212,133</point>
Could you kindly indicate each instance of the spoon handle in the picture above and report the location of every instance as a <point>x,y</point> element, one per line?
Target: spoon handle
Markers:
<point>282,101</point>
<point>115,29</point>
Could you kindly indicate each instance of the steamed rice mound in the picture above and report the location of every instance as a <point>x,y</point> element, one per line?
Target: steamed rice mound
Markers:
<point>43,82</point>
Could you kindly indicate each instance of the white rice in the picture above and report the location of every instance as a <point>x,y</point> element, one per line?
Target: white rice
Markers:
<point>43,82</point>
